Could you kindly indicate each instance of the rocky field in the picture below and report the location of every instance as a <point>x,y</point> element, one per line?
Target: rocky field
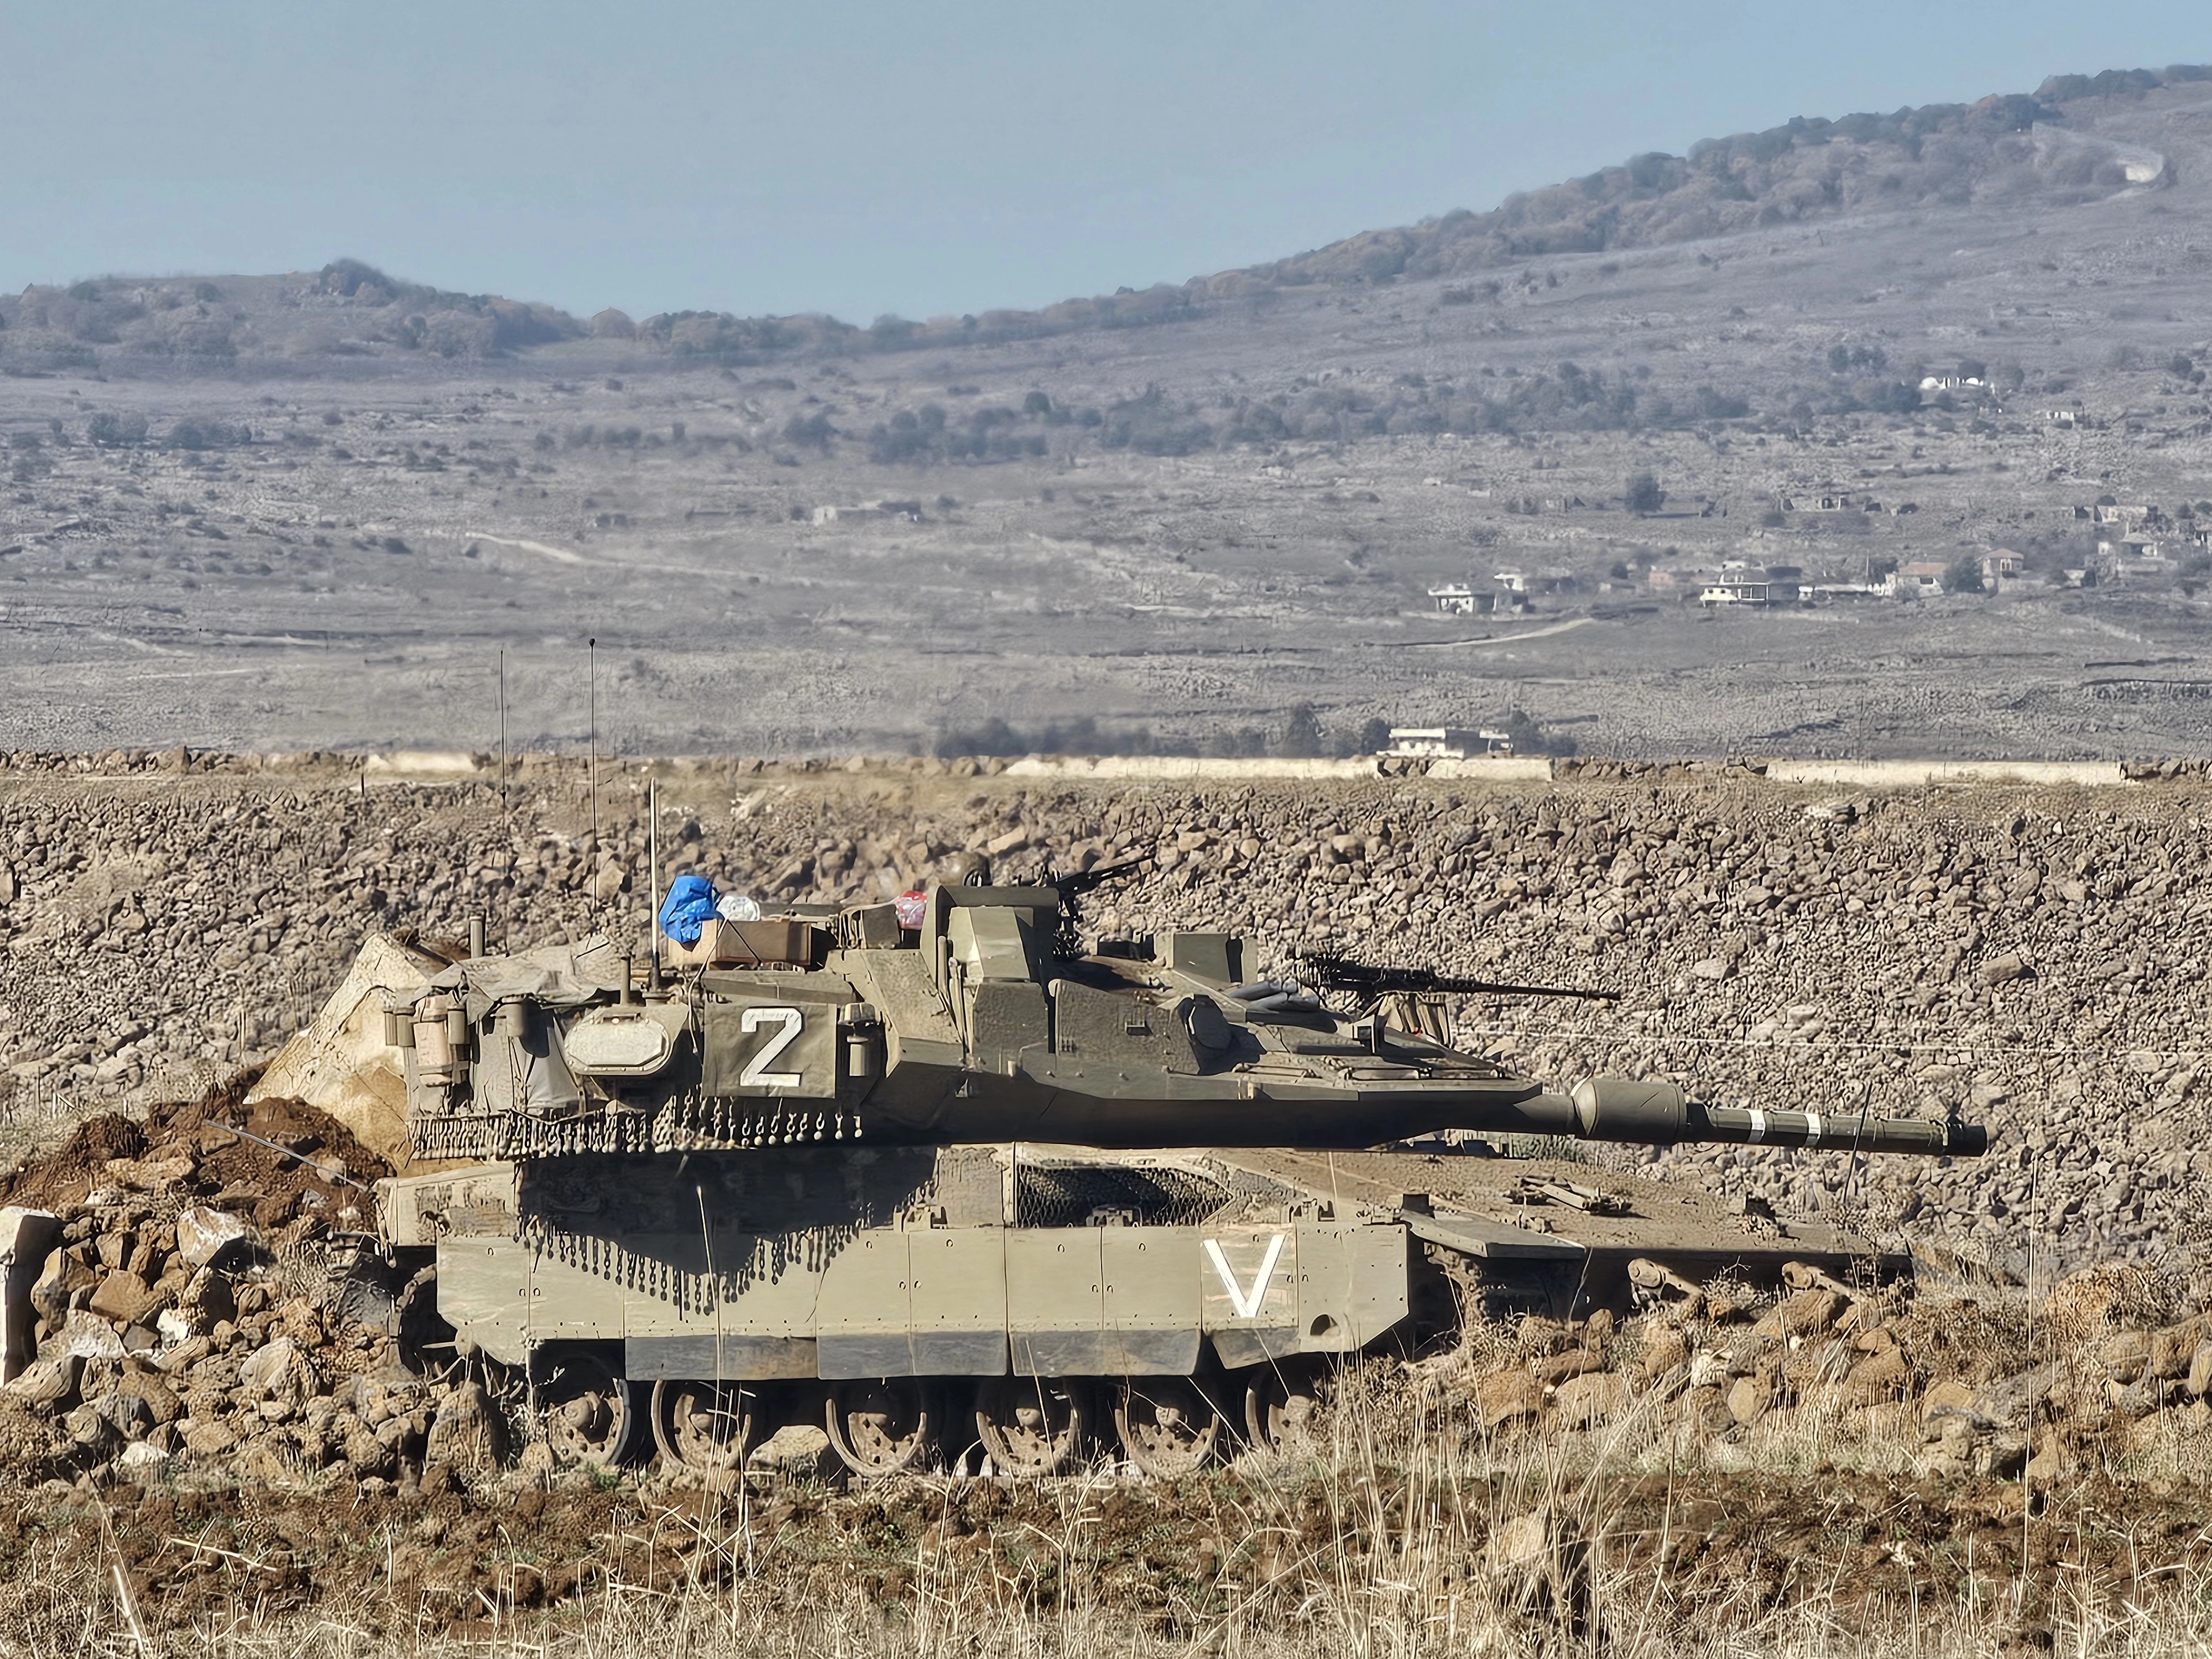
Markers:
<point>2015,1456</point>
<point>2034,959</point>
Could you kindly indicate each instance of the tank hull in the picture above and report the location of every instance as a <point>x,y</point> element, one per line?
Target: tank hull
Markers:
<point>789,1278</point>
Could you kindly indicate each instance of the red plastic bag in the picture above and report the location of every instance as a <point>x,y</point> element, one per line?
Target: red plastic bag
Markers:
<point>913,910</point>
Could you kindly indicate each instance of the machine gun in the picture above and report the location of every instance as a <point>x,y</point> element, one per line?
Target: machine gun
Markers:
<point>1331,970</point>
<point>1073,888</point>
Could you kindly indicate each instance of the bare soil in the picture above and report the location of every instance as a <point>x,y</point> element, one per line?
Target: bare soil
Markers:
<point>321,1168</point>
<point>1860,1548</point>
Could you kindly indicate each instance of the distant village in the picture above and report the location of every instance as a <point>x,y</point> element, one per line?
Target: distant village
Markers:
<point>2123,542</point>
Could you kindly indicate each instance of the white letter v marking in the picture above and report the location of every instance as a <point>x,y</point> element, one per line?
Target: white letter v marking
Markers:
<point>1248,1307</point>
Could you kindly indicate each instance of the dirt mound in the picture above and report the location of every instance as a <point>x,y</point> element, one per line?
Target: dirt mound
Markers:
<point>274,1160</point>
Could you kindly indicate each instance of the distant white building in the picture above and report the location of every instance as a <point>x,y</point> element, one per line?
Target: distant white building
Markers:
<point>1757,589</point>
<point>1828,498</point>
<point>1459,599</point>
<point>2142,547</point>
<point>1922,579</point>
<point>1445,742</point>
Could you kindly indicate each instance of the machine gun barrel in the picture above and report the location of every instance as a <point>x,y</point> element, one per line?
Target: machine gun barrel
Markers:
<point>1071,890</point>
<point>1073,887</point>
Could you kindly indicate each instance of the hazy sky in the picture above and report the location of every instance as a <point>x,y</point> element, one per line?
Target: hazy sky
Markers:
<point>912,157</point>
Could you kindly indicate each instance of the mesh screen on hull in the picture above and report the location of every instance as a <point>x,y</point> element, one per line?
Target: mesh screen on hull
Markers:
<point>1083,1194</point>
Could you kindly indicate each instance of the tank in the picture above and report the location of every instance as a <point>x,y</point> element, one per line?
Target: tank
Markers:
<point>942,1175</point>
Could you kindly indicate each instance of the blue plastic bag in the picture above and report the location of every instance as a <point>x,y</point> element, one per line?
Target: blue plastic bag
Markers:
<point>688,909</point>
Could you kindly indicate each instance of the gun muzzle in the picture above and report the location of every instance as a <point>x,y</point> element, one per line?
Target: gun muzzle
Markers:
<point>1659,1114</point>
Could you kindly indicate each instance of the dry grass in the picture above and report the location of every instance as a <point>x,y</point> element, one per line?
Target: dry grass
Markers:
<point>1404,1533</point>
<point>1415,1588</point>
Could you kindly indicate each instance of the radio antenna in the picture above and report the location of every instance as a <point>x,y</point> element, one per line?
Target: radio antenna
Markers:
<point>505,819</point>
<point>502,731</point>
<point>591,674</point>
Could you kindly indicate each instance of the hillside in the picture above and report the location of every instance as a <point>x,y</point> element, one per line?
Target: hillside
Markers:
<point>2018,149</point>
<point>788,538</point>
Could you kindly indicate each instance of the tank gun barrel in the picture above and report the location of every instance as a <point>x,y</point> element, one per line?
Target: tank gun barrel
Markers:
<point>1333,972</point>
<point>1659,1114</point>
<point>1369,1113</point>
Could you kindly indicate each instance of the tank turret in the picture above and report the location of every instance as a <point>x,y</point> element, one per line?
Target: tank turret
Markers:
<point>978,1023</point>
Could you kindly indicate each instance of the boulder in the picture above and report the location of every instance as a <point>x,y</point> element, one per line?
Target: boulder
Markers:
<point>1950,1396</point>
<point>207,1300</point>
<point>162,1406</point>
<point>47,1384</point>
<point>1878,1377</point>
<point>277,1373</point>
<point>1592,1399</point>
<point>340,1065</point>
<point>1749,1398</point>
<point>1503,1398</point>
<point>63,1280</point>
<point>88,1336</point>
<point>204,1234</point>
<point>797,1451</point>
<point>1807,1313</point>
<point>468,1434</point>
<point>88,1427</point>
<point>208,1439</point>
<point>367,1455</point>
<point>125,1298</point>
<point>2200,1371</point>
<point>141,1462</point>
<point>126,1413</point>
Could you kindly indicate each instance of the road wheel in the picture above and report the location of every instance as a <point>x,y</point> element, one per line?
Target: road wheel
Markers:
<point>882,1427</point>
<point>708,1427</point>
<point>1166,1424</point>
<point>1281,1404</point>
<point>1030,1425</point>
<point>590,1412</point>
